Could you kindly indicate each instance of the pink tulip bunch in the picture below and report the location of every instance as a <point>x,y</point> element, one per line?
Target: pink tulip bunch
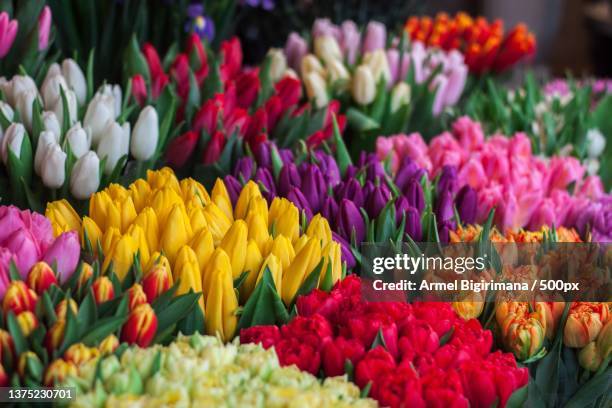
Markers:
<point>27,237</point>
<point>526,191</point>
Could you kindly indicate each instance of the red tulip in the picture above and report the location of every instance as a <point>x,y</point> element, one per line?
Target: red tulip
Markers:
<point>335,353</point>
<point>257,124</point>
<point>139,89</point>
<point>102,289</point>
<point>303,355</point>
<point>180,74</point>
<point>197,57</point>
<point>274,108</point>
<point>141,326</point>
<point>159,79</point>
<point>136,296</point>
<point>156,282</point>
<point>417,337</point>
<point>289,90</point>
<point>19,298</point>
<point>314,330</point>
<point>181,148</point>
<point>214,148</point>
<point>41,277</point>
<point>375,363</point>
<point>207,117</point>
<point>267,336</point>
<point>247,88</point>
<point>231,57</point>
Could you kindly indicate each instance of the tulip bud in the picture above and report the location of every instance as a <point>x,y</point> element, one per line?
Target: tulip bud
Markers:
<point>523,336</point>
<point>75,79</point>
<point>55,335</point>
<point>584,322</point>
<point>234,244</point>
<point>85,176</point>
<point>363,86</point>
<point>7,347</point>
<point>604,340</point>
<point>177,232</point>
<point>41,276</point>
<point>27,322</point>
<point>145,135</point>
<point>136,296</point>
<point>99,115</point>
<point>203,246</point>
<point>7,111</point>
<point>79,354</point>
<point>62,308</point>
<point>303,264</point>
<point>284,219</point>
<point>140,327</point>
<point>220,196</point>
<point>156,281</point>
<point>377,61</point>
<point>79,140</point>
<point>139,89</point>
<point>278,64</point>
<point>596,143</point>
<point>58,371</point>
<point>589,357</point>
<point>310,64</point>
<point>19,298</point>
<point>187,272</point>
<point>316,89</point>
<point>337,71</point>
<point>86,273</point>
<point>327,49</point>
<point>121,255</point>
<point>218,223</point>
<point>28,364</point>
<point>13,139</point>
<point>51,88</point>
<point>282,248</point>
<point>319,228</point>
<point>469,307</point>
<point>53,166</point>
<point>102,289</point>
<point>400,96</point>
<point>113,145</point>
<point>51,124</point>
<point>221,305</point>
<point>108,345</point>
<point>63,217</point>
<point>249,192</point>
<point>44,28</point>
<point>71,104</point>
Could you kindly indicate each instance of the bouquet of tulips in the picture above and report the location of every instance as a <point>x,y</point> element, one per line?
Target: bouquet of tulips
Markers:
<point>385,85</point>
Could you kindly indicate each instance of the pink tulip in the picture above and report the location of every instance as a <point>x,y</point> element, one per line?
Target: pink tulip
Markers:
<point>563,171</point>
<point>488,198</point>
<point>40,226</point>
<point>324,26</point>
<point>440,84</point>
<point>25,249</point>
<point>295,49</point>
<point>544,214</point>
<point>591,187</point>
<point>64,252</point>
<point>445,150</point>
<point>351,41</point>
<point>495,163</point>
<point>44,28</point>
<point>10,221</point>
<point>5,261</point>
<point>385,149</point>
<point>8,32</point>
<point>375,37</point>
<point>473,174</point>
<point>520,146</point>
<point>457,76</point>
<point>469,133</point>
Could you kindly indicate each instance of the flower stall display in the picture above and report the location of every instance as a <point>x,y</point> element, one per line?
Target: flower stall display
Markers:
<point>487,48</point>
<point>527,191</point>
<point>383,88</point>
<point>247,253</point>
<point>62,140</point>
<point>202,371</point>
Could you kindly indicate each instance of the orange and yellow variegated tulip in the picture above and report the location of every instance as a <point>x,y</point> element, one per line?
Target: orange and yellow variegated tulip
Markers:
<point>584,322</point>
<point>41,276</point>
<point>523,336</point>
<point>140,327</point>
<point>58,371</point>
<point>19,298</point>
<point>79,354</point>
<point>102,289</point>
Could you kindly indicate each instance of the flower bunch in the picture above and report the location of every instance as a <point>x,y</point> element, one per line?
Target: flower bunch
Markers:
<point>72,140</point>
<point>240,375</point>
<point>485,45</point>
<point>527,191</point>
<point>26,238</point>
<point>208,244</point>
<point>418,354</point>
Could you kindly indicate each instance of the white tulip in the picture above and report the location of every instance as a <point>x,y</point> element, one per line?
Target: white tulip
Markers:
<point>7,111</point>
<point>51,124</point>
<point>75,79</point>
<point>112,94</point>
<point>54,69</point>
<point>99,114</point>
<point>316,89</point>
<point>592,166</point>
<point>337,71</point>
<point>53,166</point>
<point>23,104</point>
<point>19,84</point>
<point>45,140</point>
<point>363,86</point>
<point>310,63</point>
<point>12,140</point>
<point>146,134</point>
<point>327,49</point>
<point>278,64</point>
<point>596,142</point>
<point>113,145</point>
<point>377,61</point>
<point>51,90</point>
<point>79,140</point>
<point>72,103</point>
<point>400,96</point>
<point>85,177</point>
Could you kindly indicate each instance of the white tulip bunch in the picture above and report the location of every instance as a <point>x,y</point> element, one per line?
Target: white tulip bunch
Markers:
<point>74,138</point>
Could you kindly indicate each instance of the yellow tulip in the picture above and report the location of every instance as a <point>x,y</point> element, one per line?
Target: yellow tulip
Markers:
<point>157,259</point>
<point>248,193</point>
<point>276,270</point>
<point>234,243</point>
<point>176,232</point>
<point>140,191</point>
<point>203,246</point>
<point>218,261</point>
<point>191,189</point>
<point>283,250</point>
<point>221,306</point>
<point>319,228</point>
<point>117,192</point>
<point>63,217</point>
<point>139,236</point>
<point>196,216</point>
<point>469,306</point>
<point>258,230</point>
<point>252,266</point>
<point>221,198</point>
<point>217,221</point>
<point>104,211</point>
<point>147,220</point>
<point>162,203</point>
<point>187,272</point>
<point>285,218</point>
<point>128,213</point>
<point>303,264</point>
<point>258,206</point>
<point>299,244</point>
<point>332,254</point>
<point>109,239</point>
<point>163,178</point>
<point>94,233</point>
<point>122,256</point>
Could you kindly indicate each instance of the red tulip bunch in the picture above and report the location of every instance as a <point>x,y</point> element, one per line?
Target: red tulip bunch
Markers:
<point>416,355</point>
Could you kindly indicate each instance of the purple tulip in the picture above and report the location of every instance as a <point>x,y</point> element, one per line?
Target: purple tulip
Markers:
<point>351,40</point>
<point>444,206</point>
<point>408,170</point>
<point>313,187</point>
<point>413,224</point>
<point>244,168</point>
<point>328,167</point>
<point>444,229</point>
<point>329,209</point>
<point>288,178</point>
<point>262,155</point>
<point>377,200</point>
<point>295,49</point>
<point>286,155</point>
<point>297,198</point>
<point>233,187</point>
<point>350,171</point>
<point>350,221</point>
<point>351,190</point>
<point>401,206</point>
<point>375,37</point>
<point>347,254</point>
<point>64,252</point>
<point>265,178</point>
<point>447,180</point>
<point>374,168</point>
<point>414,194</point>
<point>465,201</point>
<point>398,73</point>
<point>324,26</point>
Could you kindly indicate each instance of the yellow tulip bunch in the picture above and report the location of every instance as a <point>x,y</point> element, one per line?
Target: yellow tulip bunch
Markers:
<point>205,241</point>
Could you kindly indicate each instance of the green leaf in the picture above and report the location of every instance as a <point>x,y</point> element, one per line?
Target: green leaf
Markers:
<point>134,61</point>
<point>162,300</point>
<point>359,121</point>
<point>87,313</point>
<point>447,336</point>
<point>366,390</point>
<point>176,310</point>
<point>518,398</point>
<point>14,274</point>
<point>592,390</point>
<point>102,329</point>
<point>240,280</point>
<point>310,283</point>
<point>342,155</point>
<point>19,340</point>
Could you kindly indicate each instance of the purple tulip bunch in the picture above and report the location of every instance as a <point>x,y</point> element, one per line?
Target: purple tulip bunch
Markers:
<point>361,198</point>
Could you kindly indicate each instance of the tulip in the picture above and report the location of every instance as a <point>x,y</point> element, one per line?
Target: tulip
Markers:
<point>273,264</point>
<point>257,226</point>
<point>108,345</point>
<point>7,346</point>
<point>252,265</point>
<point>27,322</point>
<point>596,142</point>
<point>51,88</point>
<point>465,202</point>
<point>51,124</point>
<point>375,37</point>
<point>121,255</point>
<point>604,340</point>
<point>327,49</point>
<point>100,113</point>
<point>187,273</point>
<point>316,89</point>
<point>24,102</point>
<point>7,111</point>
<point>28,364</point>
<point>319,228</point>
<point>377,61</point>
<point>145,135</point>
<point>350,221</point>
<point>71,104</point>
<point>363,85</point>
<point>523,336</point>
<point>53,166</point>
<point>284,218</point>
<point>103,290</point>
<point>19,298</point>
<point>220,197</point>
<point>219,261</point>
<point>140,327</point>
<point>303,264</point>
<point>278,64</point>
<point>176,233</point>
<point>400,96</point>
<point>221,305</point>
<point>142,247</point>
<point>85,176</point>
<point>41,277</point>
<point>584,322</point>
<point>58,371</point>
<point>55,335</point>
<point>156,281</point>
<point>469,307</point>
<point>249,193</point>
<point>589,357</point>
<point>61,310</point>
<point>62,216</point>
<point>114,145</point>
<point>8,31</point>
<point>19,84</point>
<point>283,250</point>
<point>46,140</point>
<point>75,79</point>
<point>332,255</point>
<point>295,50</point>
<point>80,354</point>
<point>85,275</point>
<point>44,28</point>
<point>139,89</point>
<point>13,141</point>
<point>136,296</point>
<point>311,64</point>
<point>79,140</point>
